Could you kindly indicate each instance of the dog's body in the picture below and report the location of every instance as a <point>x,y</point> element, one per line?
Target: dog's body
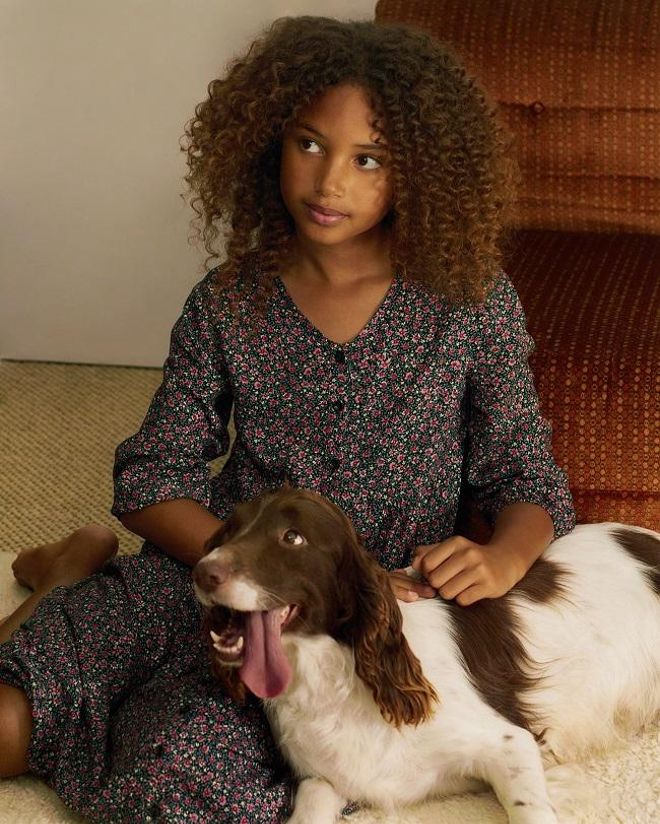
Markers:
<point>555,669</point>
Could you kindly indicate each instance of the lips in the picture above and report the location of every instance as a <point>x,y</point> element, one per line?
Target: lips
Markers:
<point>324,216</point>
<point>324,211</point>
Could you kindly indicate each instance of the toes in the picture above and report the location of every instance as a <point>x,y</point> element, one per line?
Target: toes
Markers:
<point>19,573</point>
<point>65,561</point>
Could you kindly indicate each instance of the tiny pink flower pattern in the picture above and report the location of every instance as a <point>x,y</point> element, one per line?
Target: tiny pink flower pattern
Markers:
<point>389,426</point>
<point>129,725</point>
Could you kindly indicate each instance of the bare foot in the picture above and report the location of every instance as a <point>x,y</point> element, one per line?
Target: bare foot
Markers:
<point>64,562</point>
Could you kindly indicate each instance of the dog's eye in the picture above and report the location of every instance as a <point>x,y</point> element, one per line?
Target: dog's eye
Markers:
<point>292,536</point>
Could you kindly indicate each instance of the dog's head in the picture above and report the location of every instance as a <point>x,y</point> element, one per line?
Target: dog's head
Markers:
<point>290,561</point>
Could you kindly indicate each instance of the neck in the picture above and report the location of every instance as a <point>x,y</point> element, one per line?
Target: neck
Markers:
<point>323,671</point>
<point>368,260</point>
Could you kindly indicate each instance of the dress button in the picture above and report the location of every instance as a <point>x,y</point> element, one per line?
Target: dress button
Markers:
<point>340,356</point>
<point>334,464</point>
<point>338,405</point>
<point>155,811</point>
<point>537,107</point>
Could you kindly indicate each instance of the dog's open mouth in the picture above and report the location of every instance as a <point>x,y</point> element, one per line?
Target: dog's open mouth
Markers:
<point>252,641</point>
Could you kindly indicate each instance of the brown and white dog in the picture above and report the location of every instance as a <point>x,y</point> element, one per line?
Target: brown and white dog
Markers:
<point>390,703</point>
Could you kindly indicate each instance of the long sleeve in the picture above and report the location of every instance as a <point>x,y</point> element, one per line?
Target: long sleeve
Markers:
<point>509,456</point>
<point>186,424</point>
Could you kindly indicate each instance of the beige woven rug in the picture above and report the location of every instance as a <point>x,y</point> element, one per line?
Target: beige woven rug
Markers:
<point>59,425</point>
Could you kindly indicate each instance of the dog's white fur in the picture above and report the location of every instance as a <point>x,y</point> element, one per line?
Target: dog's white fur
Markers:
<point>597,650</point>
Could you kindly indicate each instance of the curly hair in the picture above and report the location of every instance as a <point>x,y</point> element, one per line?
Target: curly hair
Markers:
<point>451,170</point>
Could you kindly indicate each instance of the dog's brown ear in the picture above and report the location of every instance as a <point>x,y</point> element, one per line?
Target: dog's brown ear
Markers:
<point>383,658</point>
<point>229,679</point>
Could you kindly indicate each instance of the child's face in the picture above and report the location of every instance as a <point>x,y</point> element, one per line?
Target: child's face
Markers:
<point>334,174</point>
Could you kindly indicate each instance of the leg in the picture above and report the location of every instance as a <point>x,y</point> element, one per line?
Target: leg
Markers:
<point>82,651</point>
<point>58,564</point>
<point>183,751</point>
<point>317,801</point>
<point>15,731</point>
<point>512,766</point>
<point>42,569</point>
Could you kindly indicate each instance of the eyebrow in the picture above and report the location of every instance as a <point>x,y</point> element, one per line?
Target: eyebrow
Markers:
<point>309,128</point>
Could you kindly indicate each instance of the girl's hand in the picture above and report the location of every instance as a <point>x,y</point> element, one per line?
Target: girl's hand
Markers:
<point>461,569</point>
<point>409,589</point>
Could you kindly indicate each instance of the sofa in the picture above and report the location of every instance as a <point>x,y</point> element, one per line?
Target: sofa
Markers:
<point>577,82</point>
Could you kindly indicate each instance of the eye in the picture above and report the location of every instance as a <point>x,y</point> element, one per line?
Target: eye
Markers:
<point>368,162</point>
<point>308,145</point>
<point>293,537</point>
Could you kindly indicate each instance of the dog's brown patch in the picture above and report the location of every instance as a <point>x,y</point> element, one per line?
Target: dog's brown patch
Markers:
<point>545,581</point>
<point>488,636</point>
<point>644,548</point>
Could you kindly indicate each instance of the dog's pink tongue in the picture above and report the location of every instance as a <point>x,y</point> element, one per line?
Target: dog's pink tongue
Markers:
<point>265,670</point>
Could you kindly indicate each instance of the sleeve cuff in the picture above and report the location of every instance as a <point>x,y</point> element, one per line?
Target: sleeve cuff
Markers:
<point>557,502</point>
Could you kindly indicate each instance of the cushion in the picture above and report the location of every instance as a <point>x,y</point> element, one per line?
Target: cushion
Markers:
<point>593,308</point>
<point>578,83</point>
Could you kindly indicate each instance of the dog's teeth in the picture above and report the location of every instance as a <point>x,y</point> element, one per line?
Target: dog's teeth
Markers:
<point>215,637</point>
<point>225,650</point>
<point>237,647</point>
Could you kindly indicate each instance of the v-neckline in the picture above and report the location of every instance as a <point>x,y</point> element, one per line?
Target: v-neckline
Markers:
<point>366,329</point>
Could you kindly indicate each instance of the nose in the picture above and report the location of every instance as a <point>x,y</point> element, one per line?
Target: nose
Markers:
<point>211,573</point>
<point>330,179</point>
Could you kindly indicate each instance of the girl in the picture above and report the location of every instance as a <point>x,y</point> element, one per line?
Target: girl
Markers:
<point>371,349</point>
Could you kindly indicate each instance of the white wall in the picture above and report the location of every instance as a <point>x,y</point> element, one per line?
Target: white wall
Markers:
<point>94,95</point>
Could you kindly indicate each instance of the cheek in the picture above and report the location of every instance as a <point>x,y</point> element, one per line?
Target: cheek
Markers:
<point>282,570</point>
<point>382,197</point>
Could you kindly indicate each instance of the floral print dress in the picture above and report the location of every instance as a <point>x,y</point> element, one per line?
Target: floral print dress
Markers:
<point>129,725</point>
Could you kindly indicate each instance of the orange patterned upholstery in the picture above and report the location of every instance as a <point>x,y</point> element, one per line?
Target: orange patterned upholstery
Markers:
<point>578,81</point>
<point>592,304</point>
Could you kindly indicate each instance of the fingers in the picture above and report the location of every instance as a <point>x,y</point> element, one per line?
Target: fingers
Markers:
<point>466,588</point>
<point>408,589</point>
<point>471,595</point>
<point>438,563</point>
<point>458,584</point>
<point>458,569</point>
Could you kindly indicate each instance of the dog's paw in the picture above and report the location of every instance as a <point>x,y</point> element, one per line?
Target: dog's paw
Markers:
<point>572,795</point>
<point>316,802</point>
